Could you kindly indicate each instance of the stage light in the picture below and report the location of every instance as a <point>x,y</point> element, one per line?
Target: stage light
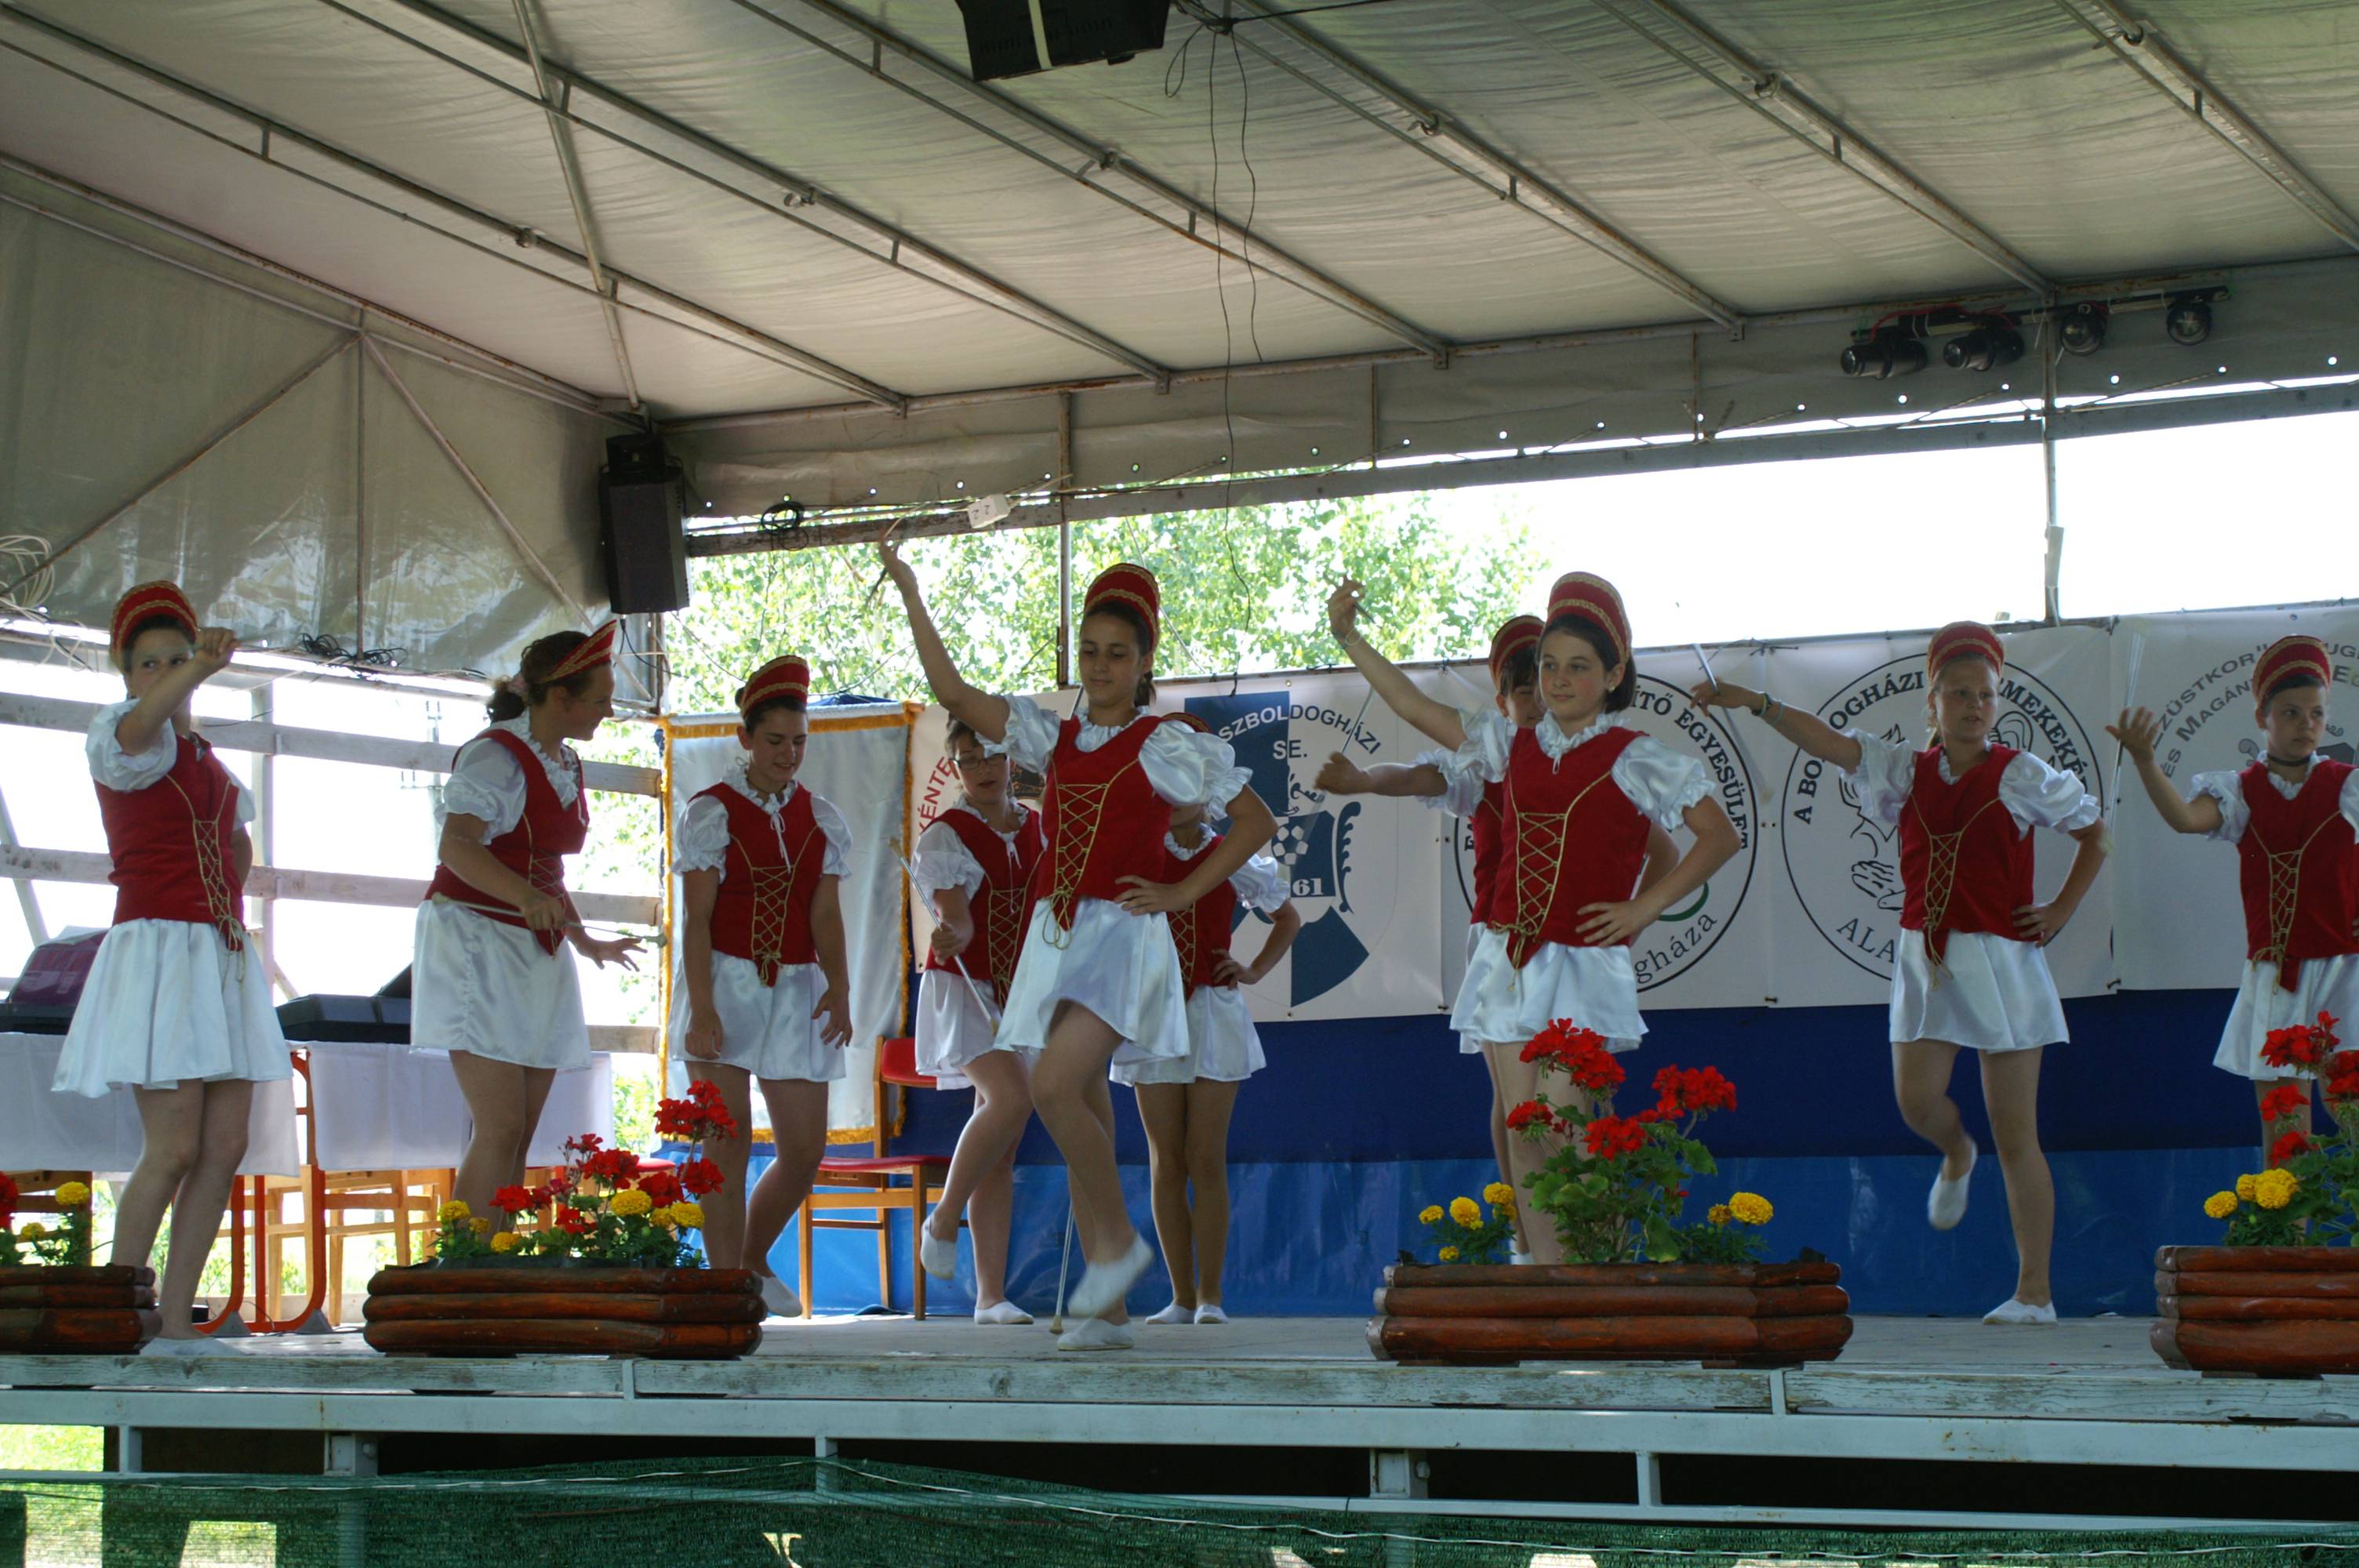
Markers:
<point>2081,329</point>
<point>2188,320</point>
<point>1992,343</point>
<point>1883,355</point>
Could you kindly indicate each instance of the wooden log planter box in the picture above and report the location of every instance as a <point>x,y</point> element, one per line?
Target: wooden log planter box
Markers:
<point>1723,1315</point>
<point>53,1310</point>
<point>690,1314</point>
<point>2287,1312</point>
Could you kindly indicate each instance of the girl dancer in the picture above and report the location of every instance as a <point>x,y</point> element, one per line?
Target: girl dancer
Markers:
<point>176,1005</point>
<point>763,993</point>
<point>975,864</point>
<point>2290,817</point>
<point>1464,793</point>
<point>1184,1101</point>
<point>1971,973</point>
<point>1577,794</point>
<point>489,984</point>
<point>1099,980</point>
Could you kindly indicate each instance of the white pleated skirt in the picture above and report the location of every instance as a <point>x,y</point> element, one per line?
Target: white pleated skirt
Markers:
<point>1224,1047</point>
<point>168,1003</point>
<point>1120,965</point>
<point>1592,988</point>
<point>481,986</point>
<point>952,1028</point>
<point>1470,1045</point>
<point>768,1031</point>
<point>1992,993</point>
<point>2329,985</point>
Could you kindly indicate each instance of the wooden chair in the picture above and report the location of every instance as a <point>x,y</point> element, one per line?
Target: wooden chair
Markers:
<point>882,1183</point>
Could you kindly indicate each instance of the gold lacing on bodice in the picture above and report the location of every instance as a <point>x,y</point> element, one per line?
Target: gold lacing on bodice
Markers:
<point>2284,894</point>
<point>1080,812</point>
<point>1540,842</point>
<point>770,885</point>
<point>221,899</point>
<point>1941,875</point>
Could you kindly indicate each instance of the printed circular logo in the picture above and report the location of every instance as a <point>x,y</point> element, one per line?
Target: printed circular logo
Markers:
<point>2191,699</point>
<point>1845,865</point>
<point>1678,941</point>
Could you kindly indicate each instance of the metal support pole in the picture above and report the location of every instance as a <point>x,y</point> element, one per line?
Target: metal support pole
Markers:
<point>264,839</point>
<point>1064,541</point>
<point>2052,600</point>
<point>27,898</point>
<point>1650,1480</point>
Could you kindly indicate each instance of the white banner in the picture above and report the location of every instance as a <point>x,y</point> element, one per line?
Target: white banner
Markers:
<point>1808,914</point>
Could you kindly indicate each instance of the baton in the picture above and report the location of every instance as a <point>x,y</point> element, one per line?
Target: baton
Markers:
<point>958,960</point>
<point>1735,734</point>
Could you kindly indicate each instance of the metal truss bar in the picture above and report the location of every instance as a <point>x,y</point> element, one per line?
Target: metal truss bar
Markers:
<point>1776,99</point>
<point>1429,130</point>
<point>590,105</point>
<point>1105,170</point>
<point>2141,45</point>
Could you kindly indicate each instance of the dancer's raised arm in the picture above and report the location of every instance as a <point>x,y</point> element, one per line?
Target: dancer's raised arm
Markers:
<point>1807,731</point>
<point>1436,720</point>
<point>979,710</point>
<point>2137,732</point>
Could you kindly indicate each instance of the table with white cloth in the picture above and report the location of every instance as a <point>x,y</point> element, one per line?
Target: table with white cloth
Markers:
<point>398,1108</point>
<point>41,1129</point>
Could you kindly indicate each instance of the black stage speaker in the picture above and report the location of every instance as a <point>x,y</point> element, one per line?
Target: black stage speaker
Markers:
<point>639,509</point>
<point>1016,38</point>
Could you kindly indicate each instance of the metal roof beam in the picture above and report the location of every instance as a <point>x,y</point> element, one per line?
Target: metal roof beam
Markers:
<point>1776,99</point>
<point>590,105</point>
<point>2141,45</point>
<point>1105,170</point>
<point>1429,130</point>
<point>513,243</point>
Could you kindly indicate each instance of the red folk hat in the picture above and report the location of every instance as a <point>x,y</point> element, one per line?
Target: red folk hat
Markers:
<point>1523,632</point>
<point>1123,583</point>
<point>1594,599</point>
<point>146,602</point>
<point>597,649</point>
<point>1963,639</point>
<point>2292,656</point>
<point>787,676</point>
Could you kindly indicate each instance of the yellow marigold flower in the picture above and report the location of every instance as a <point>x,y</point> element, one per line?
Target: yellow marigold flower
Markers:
<point>1718,1213</point>
<point>1429,1214</point>
<point>1751,1208</point>
<point>1449,1254</point>
<point>74,1195</point>
<point>1498,1194</point>
<point>2275,1189</point>
<point>1465,1212</point>
<point>452,1210</point>
<point>630,1202</point>
<point>687,1216</point>
<point>507,1241</point>
<point>2220,1206</point>
<point>34,1230</point>
<point>2246,1185</point>
<point>480,1225</point>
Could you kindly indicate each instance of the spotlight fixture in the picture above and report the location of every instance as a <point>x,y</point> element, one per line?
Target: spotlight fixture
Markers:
<point>2081,328</point>
<point>2187,318</point>
<point>1987,344</point>
<point>1883,355</point>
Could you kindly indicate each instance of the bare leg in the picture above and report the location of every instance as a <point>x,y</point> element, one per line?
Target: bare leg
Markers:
<point>1500,1148</point>
<point>2011,1089</point>
<point>1920,1086</point>
<point>537,1082</point>
<point>203,1198</point>
<point>984,1159</point>
<point>1518,1081</point>
<point>171,1121</point>
<point>2273,1130</point>
<point>498,1099</point>
<point>724,1210</point>
<point>1209,1107</point>
<point>1069,1089</point>
<point>799,1129</point>
<point>1163,1111</point>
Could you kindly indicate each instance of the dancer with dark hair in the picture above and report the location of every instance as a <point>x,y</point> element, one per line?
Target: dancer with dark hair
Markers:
<point>489,983</point>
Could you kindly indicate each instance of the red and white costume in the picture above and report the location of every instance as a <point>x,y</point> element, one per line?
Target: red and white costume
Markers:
<point>1105,812</point>
<point>175,994</point>
<point>1476,801</point>
<point>1575,812</point>
<point>481,981</point>
<point>1962,974</point>
<point>995,870</point>
<point>2298,849</point>
<point>1222,1044</point>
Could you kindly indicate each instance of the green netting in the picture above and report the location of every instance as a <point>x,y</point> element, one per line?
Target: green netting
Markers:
<point>855,1514</point>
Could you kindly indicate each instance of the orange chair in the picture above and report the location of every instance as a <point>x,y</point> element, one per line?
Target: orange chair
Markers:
<point>883,1184</point>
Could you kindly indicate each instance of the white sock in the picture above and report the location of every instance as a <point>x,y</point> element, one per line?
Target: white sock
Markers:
<point>1211,1313</point>
<point>1175,1312</point>
<point>1096,1333</point>
<point>1002,1314</point>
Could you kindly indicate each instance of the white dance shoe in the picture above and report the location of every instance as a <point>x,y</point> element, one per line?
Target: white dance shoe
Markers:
<point>2011,1311</point>
<point>939,1256</point>
<point>1097,1334</point>
<point>1002,1314</point>
<point>1946,1204</point>
<point>1103,1284</point>
<point>779,1299</point>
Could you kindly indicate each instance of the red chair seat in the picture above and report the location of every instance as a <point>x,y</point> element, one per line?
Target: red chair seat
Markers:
<point>896,1164</point>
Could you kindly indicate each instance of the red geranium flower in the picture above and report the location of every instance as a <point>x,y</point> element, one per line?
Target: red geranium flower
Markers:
<point>514,1200</point>
<point>698,1177</point>
<point>663,1188</point>
<point>572,1220</point>
<point>2285,1100</point>
<point>1532,1113</point>
<point>2343,1083</point>
<point>584,1145</point>
<point>8,1196</point>
<point>2287,1147</point>
<point>612,1166</point>
<point>1691,1091</point>
<point>1611,1137</point>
